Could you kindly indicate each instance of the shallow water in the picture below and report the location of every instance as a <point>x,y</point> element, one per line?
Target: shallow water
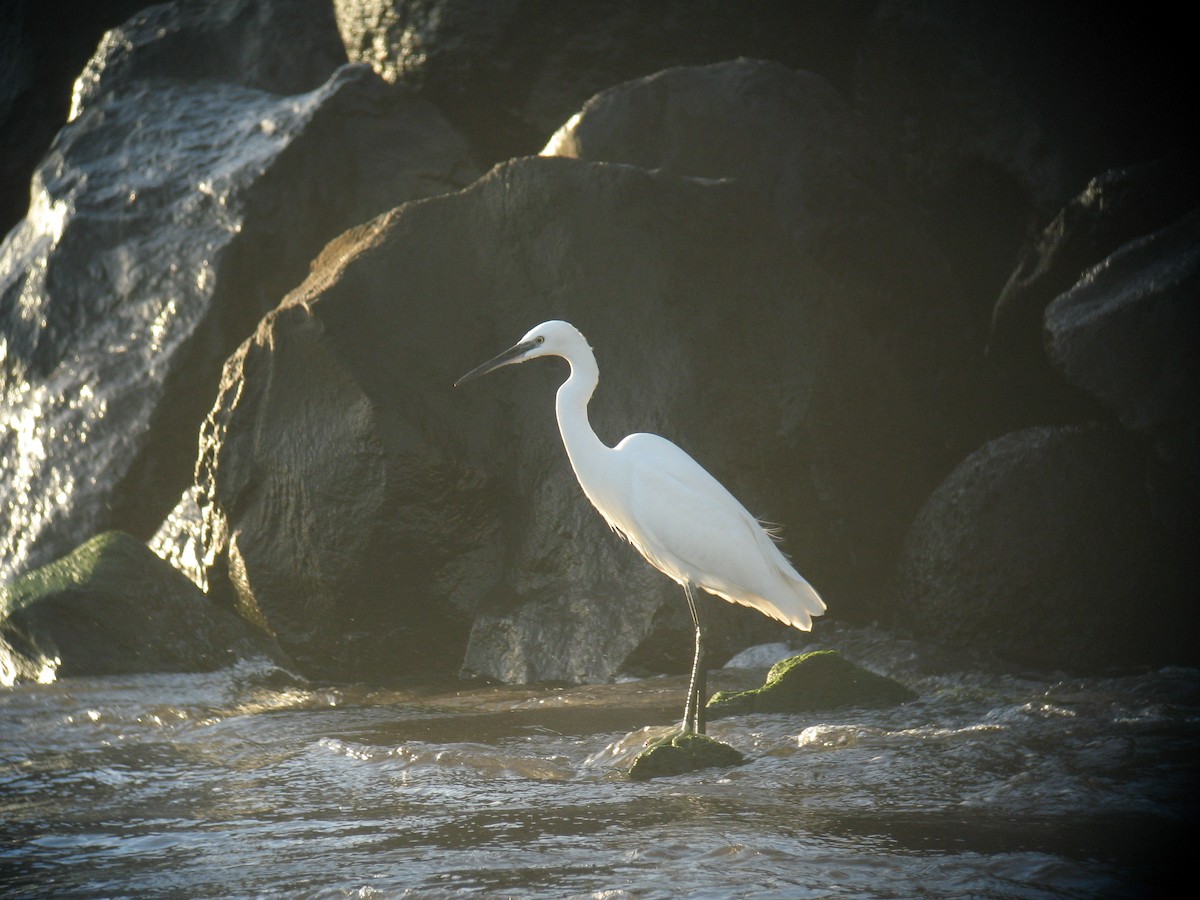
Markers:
<point>249,782</point>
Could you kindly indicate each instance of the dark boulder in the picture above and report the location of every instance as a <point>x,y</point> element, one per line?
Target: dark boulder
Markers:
<point>1127,335</point>
<point>111,607</point>
<point>792,137</point>
<point>1044,547</point>
<point>384,523</point>
<point>168,217</point>
<point>1117,208</point>
<point>335,518</point>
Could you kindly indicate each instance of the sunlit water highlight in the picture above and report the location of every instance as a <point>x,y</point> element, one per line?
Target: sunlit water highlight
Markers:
<point>248,782</point>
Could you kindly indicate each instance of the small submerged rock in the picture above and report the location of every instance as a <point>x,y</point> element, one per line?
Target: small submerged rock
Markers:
<point>681,752</point>
<point>821,679</point>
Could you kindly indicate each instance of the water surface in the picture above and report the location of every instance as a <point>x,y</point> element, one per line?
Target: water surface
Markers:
<point>250,782</point>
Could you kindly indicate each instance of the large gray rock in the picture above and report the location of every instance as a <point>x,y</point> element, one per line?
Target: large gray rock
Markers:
<point>509,72</point>
<point>111,607</point>
<point>381,523</point>
<point>1043,547</point>
<point>169,215</point>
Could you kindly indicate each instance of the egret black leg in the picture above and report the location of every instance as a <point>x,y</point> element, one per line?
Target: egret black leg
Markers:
<point>693,711</point>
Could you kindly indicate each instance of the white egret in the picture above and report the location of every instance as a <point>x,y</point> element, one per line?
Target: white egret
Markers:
<point>681,519</point>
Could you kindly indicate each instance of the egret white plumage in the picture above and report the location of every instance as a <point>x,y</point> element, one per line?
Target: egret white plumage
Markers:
<point>681,519</point>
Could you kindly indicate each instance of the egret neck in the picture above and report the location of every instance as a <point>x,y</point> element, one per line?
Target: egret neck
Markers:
<point>585,450</point>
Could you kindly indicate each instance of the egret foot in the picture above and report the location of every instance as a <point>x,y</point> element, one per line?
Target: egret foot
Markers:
<point>680,753</point>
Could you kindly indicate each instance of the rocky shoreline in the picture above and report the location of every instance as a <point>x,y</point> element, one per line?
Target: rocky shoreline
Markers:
<point>918,282</point>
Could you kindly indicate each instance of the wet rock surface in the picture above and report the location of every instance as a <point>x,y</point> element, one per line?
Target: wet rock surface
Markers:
<point>276,46</point>
<point>41,54</point>
<point>170,214</point>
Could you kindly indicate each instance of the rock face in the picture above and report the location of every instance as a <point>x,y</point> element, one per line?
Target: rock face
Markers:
<point>793,138</point>
<point>170,214</point>
<point>361,507</point>
<point>276,46</point>
<point>1044,546</point>
<point>112,607</point>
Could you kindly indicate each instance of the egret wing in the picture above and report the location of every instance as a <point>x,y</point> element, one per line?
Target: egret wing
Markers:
<point>688,525</point>
<point>686,515</point>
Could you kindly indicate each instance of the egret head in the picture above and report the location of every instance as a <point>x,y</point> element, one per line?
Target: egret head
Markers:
<point>553,338</point>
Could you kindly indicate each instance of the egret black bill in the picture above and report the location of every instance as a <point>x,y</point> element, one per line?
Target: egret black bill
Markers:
<point>508,357</point>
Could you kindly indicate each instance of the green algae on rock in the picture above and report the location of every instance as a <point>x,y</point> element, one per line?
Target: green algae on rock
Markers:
<point>682,752</point>
<point>113,607</point>
<point>821,679</point>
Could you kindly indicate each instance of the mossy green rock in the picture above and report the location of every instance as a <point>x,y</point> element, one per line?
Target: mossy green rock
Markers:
<point>812,681</point>
<point>113,607</point>
<point>680,753</point>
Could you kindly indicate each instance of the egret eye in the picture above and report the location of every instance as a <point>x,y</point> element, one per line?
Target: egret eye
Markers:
<point>539,340</point>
